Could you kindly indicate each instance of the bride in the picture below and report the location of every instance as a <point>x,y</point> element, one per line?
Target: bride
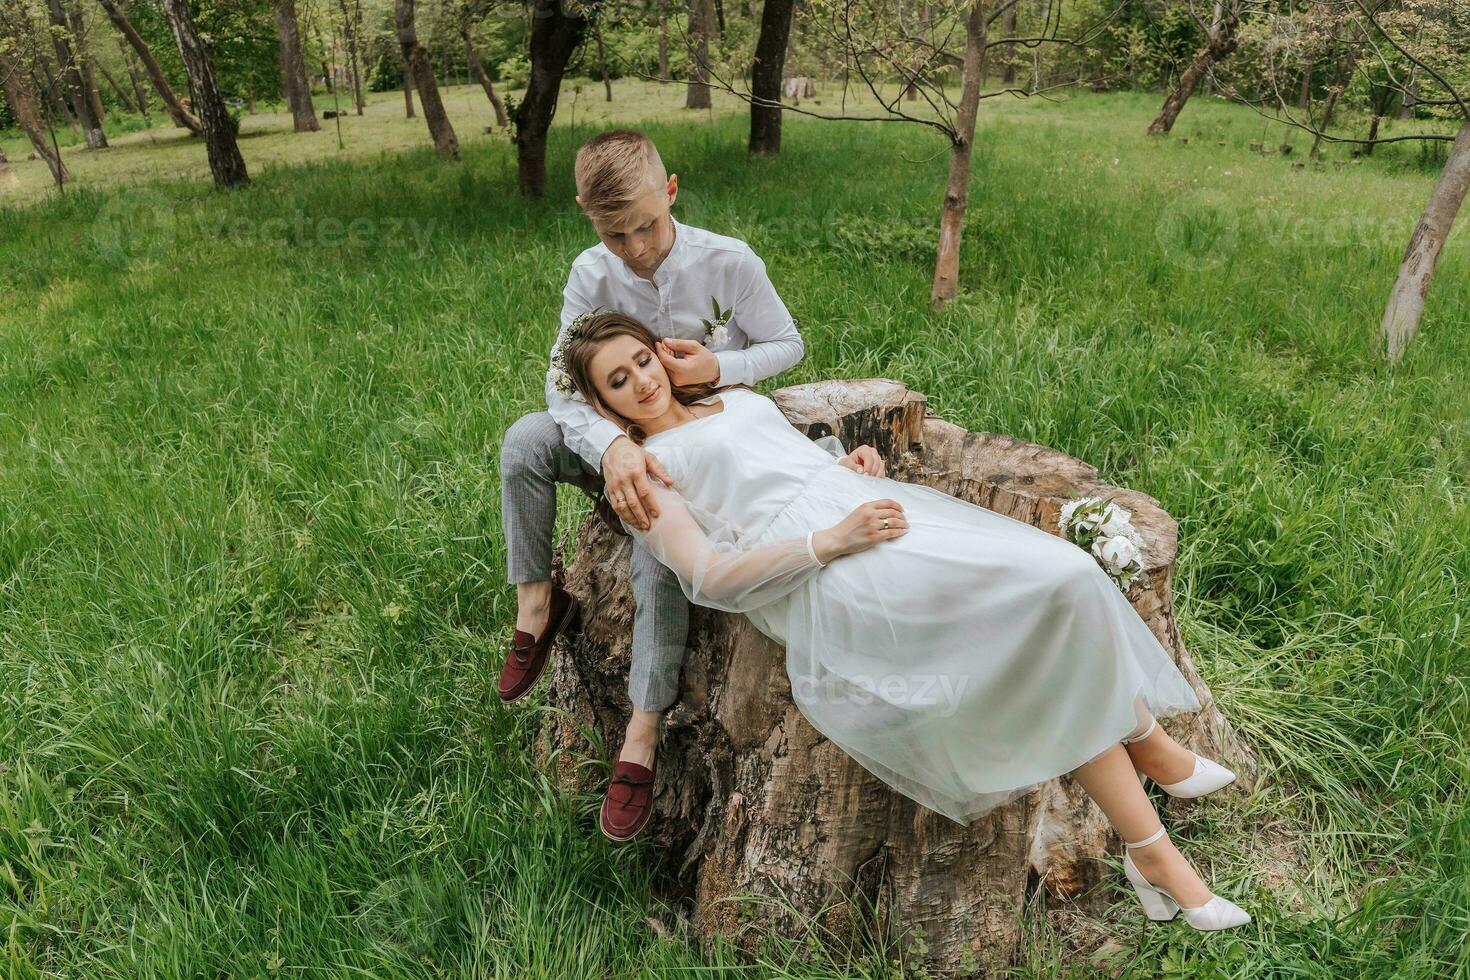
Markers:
<point>960,655</point>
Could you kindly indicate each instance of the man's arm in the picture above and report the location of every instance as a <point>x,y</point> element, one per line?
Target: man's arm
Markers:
<point>775,344</point>
<point>585,432</point>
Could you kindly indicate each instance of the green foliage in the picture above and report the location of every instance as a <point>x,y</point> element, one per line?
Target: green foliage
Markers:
<point>252,597</point>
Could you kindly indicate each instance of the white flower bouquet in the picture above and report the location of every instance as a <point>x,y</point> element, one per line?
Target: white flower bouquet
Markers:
<point>1104,529</point>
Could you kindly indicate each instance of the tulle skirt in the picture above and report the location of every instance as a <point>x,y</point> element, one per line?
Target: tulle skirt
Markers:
<point>968,660</point>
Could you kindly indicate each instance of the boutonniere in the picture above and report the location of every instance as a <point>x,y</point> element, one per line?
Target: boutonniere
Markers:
<point>714,330</point>
<point>557,374</point>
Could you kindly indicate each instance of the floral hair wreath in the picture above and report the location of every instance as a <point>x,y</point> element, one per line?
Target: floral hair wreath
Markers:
<point>558,374</point>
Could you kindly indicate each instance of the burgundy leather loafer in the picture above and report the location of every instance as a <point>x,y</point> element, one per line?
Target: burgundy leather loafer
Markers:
<point>628,802</point>
<point>527,657</point>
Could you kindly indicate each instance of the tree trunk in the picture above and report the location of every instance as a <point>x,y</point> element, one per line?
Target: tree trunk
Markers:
<point>71,73</point>
<point>407,86</point>
<point>225,161</point>
<point>21,97</point>
<point>1304,97</point>
<point>293,69</point>
<point>555,34</point>
<point>349,28</point>
<point>477,70</point>
<point>765,77</point>
<point>85,63</point>
<point>701,14</point>
<point>956,190</point>
<point>602,60</point>
<point>1344,76</point>
<point>123,95</point>
<point>663,40</point>
<point>1372,135</point>
<point>751,800</point>
<point>1008,73</point>
<point>1406,302</point>
<point>446,143</point>
<point>58,110</point>
<point>1219,45</point>
<point>136,78</point>
<point>182,117</point>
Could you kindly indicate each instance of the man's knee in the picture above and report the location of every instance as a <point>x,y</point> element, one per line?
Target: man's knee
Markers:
<point>528,446</point>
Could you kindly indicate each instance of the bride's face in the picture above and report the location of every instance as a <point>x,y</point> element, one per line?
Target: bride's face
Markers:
<point>630,380</point>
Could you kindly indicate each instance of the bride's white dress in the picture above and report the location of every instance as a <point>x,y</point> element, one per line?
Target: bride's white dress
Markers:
<point>962,663</point>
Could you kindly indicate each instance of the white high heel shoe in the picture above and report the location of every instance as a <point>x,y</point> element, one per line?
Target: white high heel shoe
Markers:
<point>1207,777</point>
<point>1160,906</point>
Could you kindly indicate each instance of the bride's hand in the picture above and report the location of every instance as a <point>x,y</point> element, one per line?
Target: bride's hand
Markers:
<point>863,459</point>
<point>868,524</point>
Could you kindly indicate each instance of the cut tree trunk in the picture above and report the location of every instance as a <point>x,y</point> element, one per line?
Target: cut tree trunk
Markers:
<point>225,162</point>
<point>555,33</point>
<point>1406,302</point>
<point>751,800</point>
<point>765,77</point>
<point>293,69</point>
<point>701,16</point>
<point>956,189</point>
<point>446,143</point>
<point>71,73</point>
<point>182,117</point>
<point>477,69</point>
<point>1219,46</point>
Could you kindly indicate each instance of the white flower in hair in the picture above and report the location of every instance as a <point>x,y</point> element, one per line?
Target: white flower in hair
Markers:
<point>558,374</point>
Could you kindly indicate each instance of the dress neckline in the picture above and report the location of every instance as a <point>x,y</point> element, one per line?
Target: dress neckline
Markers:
<point>724,410</point>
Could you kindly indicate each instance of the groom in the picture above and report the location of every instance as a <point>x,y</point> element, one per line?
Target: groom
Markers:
<point>672,276</point>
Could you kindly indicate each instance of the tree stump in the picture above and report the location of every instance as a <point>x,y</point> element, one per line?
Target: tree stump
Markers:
<point>751,801</point>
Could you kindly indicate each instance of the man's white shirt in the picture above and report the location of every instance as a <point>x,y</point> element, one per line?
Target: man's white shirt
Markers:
<point>701,268</point>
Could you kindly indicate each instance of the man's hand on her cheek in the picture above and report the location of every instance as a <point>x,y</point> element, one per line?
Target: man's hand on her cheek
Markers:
<point>687,362</point>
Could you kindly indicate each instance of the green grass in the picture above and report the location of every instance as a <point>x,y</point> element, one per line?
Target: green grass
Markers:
<point>251,576</point>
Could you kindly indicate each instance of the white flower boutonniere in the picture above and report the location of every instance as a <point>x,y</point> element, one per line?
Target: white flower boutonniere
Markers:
<point>557,374</point>
<point>715,332</point>
<point>1105,530</point>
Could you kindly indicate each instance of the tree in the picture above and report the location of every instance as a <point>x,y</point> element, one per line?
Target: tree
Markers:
<point>470,12</point>
<point>1418,52</point>
<point>18,80</point>
<point>765,76</point>
<point>68,57</point>
<point>295,84</point>
<point>182,117</point>
<point>225,162</point>
<point>1220,42</point>
<point>701,17</point>
<point>557,27</point>
<point>351,26</point>
<point>446,143</point>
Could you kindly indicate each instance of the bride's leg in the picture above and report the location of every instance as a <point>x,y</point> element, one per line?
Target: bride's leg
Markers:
<point>1157,756</point>
<point>1112,783</point>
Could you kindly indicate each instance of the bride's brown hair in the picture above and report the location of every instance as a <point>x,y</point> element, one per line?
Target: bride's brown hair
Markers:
<point>599,329</point>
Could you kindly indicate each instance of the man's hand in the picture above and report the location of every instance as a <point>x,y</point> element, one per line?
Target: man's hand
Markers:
<point>863,459</point>
<point>626,468</point>
<point>688,362</point>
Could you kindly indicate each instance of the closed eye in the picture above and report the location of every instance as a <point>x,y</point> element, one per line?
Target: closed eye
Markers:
<point>623,377</point>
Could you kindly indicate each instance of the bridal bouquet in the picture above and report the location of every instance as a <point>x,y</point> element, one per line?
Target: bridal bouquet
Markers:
<point>1103,528</point>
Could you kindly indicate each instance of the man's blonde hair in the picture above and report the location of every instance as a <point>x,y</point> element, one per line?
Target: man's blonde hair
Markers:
<point>614,169</point>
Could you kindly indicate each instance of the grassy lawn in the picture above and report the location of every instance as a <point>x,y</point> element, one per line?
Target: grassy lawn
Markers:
<point>251,577</point>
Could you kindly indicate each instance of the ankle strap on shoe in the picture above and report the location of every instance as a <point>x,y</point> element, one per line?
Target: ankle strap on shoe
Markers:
<point>1147,840</point>
<point>1130,739</point>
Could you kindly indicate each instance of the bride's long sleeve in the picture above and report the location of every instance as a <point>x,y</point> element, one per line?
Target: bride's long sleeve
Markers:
<point>713,569</point>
